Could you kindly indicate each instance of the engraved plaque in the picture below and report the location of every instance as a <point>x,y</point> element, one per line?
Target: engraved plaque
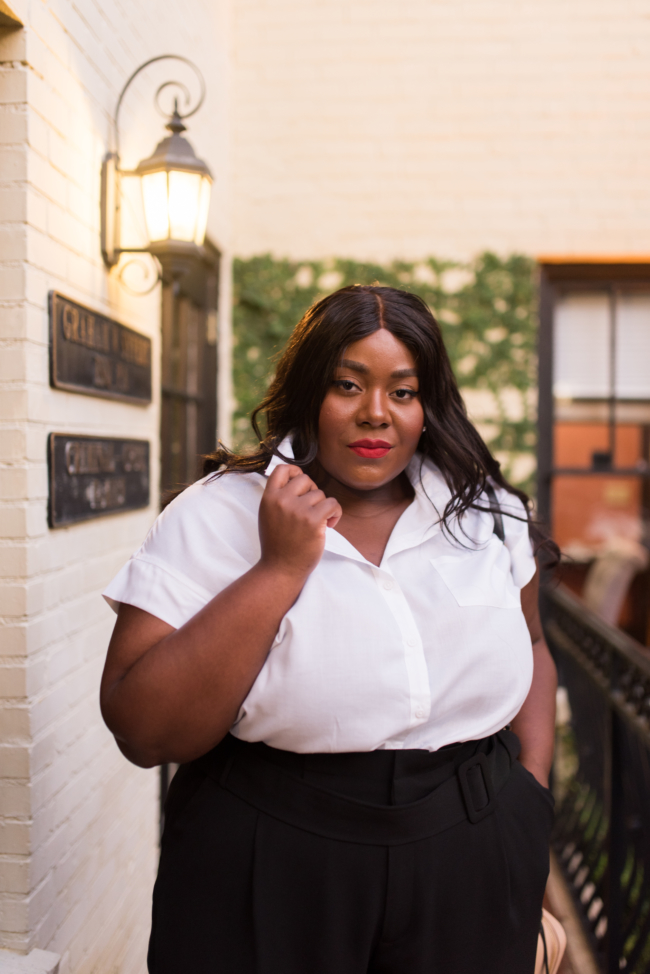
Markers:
<point>95,355</point>
<point>92,476</point>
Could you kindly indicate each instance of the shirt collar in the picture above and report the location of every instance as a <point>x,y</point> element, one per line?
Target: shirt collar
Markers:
<point>286,449</point>
<point>419,521</point>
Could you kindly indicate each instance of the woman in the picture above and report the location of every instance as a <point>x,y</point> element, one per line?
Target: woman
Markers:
<point>330,637</point>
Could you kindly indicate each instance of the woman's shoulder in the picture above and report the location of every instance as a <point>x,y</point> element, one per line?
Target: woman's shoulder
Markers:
<point>201,542</point>
<point>228,490</point>
<point>213,512</point>
<point>510,504</point>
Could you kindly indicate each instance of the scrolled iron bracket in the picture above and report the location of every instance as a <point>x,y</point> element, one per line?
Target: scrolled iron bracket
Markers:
<point>166,84</point>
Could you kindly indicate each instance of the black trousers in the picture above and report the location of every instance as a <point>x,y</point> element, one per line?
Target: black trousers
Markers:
<point>253,885</point>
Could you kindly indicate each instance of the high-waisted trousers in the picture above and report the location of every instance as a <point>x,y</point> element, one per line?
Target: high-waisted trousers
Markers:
<point>389,862</point>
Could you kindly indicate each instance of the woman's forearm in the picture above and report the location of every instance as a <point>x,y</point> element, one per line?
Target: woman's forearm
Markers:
<point>535,722</point>
<point>170,695</point>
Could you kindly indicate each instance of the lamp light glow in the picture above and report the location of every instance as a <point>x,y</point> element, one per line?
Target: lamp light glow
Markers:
<point>176,194</point>
<point>154,198</point>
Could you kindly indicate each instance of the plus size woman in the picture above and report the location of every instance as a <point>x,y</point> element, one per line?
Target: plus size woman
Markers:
<point>337,639</point>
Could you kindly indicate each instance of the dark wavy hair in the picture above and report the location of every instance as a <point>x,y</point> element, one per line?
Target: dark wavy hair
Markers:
<point>304,374</point>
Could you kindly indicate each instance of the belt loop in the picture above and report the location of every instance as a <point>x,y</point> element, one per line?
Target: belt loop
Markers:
<point>479,760</point>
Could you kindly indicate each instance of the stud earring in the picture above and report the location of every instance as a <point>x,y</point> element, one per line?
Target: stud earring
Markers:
<point>424,429</point>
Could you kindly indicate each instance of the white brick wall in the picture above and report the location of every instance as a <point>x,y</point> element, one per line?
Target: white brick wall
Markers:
<point>402,128</point>
<point>78,824</point>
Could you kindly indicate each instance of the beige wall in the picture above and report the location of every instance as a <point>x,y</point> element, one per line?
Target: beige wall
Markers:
<point>402,128</point>
<point>78,824</point>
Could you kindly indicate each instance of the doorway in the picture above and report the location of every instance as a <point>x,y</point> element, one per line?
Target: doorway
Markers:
<point>188,415</point>
<point>594,434</point>
<point>188,423</point>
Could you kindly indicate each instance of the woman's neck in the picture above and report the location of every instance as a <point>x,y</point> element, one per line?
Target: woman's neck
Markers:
<point>364,503</point>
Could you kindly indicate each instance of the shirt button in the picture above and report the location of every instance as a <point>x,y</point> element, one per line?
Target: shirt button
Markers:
<point>387,584</point>
<point>411,641</point>
<point>419,712</point>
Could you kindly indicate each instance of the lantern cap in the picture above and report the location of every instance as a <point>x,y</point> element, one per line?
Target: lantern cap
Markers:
<point>174,152</point>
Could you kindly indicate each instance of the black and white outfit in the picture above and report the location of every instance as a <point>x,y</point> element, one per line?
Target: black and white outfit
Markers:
<point>366,814</point>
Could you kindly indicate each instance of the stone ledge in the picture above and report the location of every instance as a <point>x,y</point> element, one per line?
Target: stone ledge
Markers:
<point>36,962</point>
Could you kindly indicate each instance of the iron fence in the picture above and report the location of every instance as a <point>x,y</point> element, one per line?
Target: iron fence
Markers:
<point>602,779</point>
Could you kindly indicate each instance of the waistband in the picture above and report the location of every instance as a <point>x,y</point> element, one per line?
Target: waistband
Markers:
<point>470,793</point>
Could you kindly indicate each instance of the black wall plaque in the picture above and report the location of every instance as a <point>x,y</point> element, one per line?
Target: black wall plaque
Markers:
<point>93,354</point>
<point>92,476</point>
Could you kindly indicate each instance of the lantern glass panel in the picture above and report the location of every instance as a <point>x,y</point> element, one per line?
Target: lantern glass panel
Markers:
<point>204,206</point>
<point>154,196</point>
<point>184,196</point>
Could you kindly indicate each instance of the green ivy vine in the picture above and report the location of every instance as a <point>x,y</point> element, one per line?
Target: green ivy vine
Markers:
<point>486,309</point>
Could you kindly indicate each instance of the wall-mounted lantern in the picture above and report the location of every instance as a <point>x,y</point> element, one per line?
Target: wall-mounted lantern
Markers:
<point>175,186</point>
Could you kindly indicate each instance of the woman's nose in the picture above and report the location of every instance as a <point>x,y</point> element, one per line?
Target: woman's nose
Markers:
<point>374,409</point>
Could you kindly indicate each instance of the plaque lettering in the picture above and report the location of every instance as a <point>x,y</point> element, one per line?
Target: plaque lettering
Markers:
<point>92,476</point>
<point>95,355</point>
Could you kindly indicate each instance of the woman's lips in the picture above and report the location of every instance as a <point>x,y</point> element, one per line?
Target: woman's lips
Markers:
<point>370,449</point>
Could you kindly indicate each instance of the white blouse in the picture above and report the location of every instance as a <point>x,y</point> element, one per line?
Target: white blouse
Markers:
<point>427,649</point>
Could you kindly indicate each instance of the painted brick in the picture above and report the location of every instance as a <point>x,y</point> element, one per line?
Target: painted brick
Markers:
<point>13,160</point>
<point>12,681</point>
<point>14,761</point>
<point>14,122</point>
<point>13,601</point>
<point>14,722</point>
<point>13,360</point>
<point>14,874</point>
<point>93,817</point>
<point>13,243</point>
<point>14,799</point>
<point>13,640</point>
<point>448,114</point>
<point>13,915</point>
<point>12,444</point>
<point>12,279</point>
<point>13,483</point>
<point>13,522</point>
<point>14,838</point>
<point>12,325</point>
<point>13,85</point>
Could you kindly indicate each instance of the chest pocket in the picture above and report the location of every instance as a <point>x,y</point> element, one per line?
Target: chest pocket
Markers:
<point>479,577</point>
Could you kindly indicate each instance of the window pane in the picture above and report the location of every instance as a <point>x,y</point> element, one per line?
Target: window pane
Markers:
<point>581,346</point>
<point>633,346</point>
<point>590,511</point>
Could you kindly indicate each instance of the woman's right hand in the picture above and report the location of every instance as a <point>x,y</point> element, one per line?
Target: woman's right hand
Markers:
<point>292,520</point>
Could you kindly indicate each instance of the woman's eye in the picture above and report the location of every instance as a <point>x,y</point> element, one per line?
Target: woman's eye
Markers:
<point>405,393</point>
<point>345,384</point>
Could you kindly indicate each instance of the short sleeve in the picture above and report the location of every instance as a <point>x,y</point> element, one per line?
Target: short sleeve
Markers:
<point>201,543</point>
<point>517,538</point>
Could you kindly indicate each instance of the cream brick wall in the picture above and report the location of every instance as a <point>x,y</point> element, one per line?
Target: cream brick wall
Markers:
<point>402,128</point>
<point>78,824</point>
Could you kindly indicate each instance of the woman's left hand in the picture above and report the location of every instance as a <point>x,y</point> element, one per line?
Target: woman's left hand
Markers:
<point>534,725</point>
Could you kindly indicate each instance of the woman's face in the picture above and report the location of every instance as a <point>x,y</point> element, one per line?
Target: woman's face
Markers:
<point>371,419</point>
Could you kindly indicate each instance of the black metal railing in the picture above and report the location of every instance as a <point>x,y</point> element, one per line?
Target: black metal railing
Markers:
<point>602,779</point>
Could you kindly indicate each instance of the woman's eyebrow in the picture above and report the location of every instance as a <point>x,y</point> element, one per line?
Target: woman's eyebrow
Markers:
<point>404,373</point>
<point>347,363</point>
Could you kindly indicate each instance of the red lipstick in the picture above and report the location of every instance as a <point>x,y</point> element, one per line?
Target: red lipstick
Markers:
<point>370,449</point>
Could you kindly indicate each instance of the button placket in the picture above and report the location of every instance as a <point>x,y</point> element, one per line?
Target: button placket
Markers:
<point>416,666</point>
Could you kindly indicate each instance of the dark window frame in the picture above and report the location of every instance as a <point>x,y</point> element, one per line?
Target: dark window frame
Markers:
<point>555,280</point>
